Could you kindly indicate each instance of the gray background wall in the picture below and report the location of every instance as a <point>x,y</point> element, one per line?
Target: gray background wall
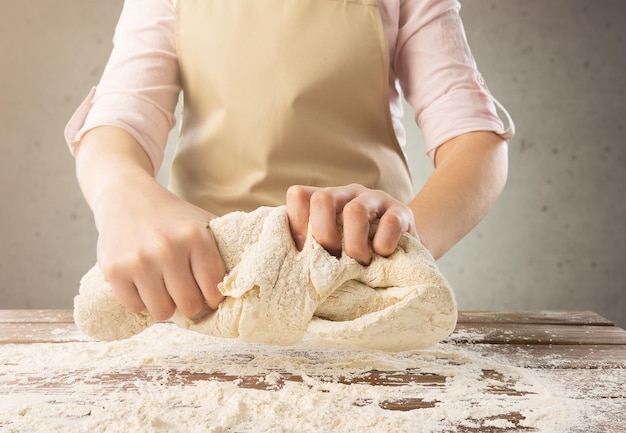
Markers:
<point>555,239</point>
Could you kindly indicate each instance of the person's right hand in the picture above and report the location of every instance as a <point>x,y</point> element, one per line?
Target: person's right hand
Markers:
<point>157,252</point>
<point>154,248</point>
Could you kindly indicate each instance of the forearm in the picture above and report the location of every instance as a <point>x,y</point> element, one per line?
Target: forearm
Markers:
<point>108,159</point>
<point>470,173</point>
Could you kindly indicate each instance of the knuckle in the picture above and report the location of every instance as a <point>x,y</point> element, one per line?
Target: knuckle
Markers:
<point>392,220</point>
<point>296,193</point>
<point>191,232</point>
<point>355,209</point>
<point>166,244</point>
<point>110,270</point>
<point>116,270</point>
<point>322,197</point>
<point>143,258</point>
<point>356,187</point>
<point>161,245</point>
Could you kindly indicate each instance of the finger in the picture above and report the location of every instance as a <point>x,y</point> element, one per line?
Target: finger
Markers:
<point>182,287</point>
<point>391,225</point>
<point>358,215</point>
<point>325,204</point>
<point>208,269</point>
<point>297,200</point>
<point>126,294</point>
<point>146,268</point>
<point>122,285</point>
<point>154,295</point>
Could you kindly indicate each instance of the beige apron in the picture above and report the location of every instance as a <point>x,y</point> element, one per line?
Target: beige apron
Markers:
<point>283,92</point>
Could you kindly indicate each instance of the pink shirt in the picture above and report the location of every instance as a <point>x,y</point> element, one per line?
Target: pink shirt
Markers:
<point>430,64</point>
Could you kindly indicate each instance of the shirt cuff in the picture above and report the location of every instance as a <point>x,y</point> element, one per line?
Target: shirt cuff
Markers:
<point>460,112</point>
<point>73,132</point>
<point>145,122</point>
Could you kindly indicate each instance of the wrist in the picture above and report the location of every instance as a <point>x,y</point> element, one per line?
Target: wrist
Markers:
<point>109,162</point>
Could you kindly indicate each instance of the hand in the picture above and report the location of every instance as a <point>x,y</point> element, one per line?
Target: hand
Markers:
<point>358,207</point>
<point>153,248</point>
<point>156,251</point>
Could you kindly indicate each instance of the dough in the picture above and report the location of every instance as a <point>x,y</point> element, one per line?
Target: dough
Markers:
<point>275,293</point>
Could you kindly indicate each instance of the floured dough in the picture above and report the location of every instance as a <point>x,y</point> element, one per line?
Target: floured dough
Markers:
<point>275,294</point>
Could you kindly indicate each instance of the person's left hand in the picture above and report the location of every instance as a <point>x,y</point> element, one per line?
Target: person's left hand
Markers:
<point>357,207</point>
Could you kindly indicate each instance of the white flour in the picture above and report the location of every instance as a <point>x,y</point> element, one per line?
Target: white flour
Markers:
<point>97,387</point>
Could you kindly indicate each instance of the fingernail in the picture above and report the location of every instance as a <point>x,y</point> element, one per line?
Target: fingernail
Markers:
<point>215,303</point>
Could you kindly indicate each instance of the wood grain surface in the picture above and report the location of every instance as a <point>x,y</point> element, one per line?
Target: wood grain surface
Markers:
<point>560,345</point>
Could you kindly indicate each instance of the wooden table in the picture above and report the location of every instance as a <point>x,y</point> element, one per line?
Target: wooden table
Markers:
<point>526,358</point>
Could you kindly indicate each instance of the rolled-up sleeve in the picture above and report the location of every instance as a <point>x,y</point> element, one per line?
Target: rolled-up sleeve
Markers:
<point>438,74</point>
<point>140,86</point>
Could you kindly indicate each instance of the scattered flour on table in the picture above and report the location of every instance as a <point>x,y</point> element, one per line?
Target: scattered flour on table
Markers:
<point>152,383</point>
